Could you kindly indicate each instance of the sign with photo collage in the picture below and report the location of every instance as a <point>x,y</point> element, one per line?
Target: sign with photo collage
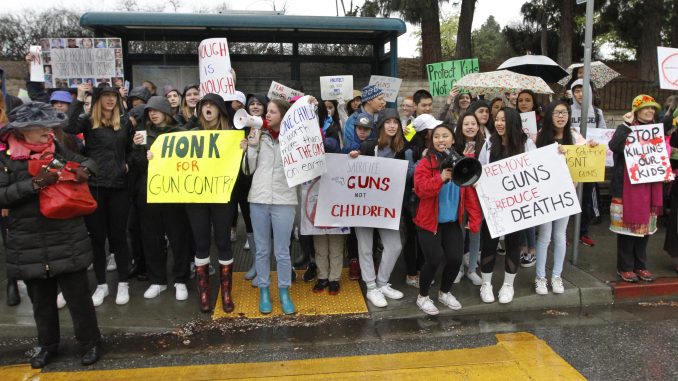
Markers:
<point>69,62</point>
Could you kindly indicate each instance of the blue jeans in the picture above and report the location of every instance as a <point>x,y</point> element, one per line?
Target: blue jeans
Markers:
<point>474,251</point>
<point>528,238</point>
<point>280,220</point>
<point>556,231</point>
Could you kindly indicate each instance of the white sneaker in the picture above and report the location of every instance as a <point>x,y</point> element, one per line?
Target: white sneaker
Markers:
<point>123,294</point>
<point>486,293</point>
<point>557,284</point>
<point>247,245</point>
<point>391,293</point>
<point>506,293</point>
<point>99,294</point>
<point>540,286</point>
<point>154,290</point>
<point>234,235</point>
<point>449,300</point>
<point>412,281</point>
<point>474,278</point>
<point>61,302</point>
<point>460,275</point>
<point>376,298</point>
<point>426,305</point>
<point>181,291</point>
<point>111,265</point>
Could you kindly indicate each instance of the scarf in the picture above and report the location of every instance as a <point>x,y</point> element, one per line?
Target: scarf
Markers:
<point>20,150</point>
<point>274,134</point>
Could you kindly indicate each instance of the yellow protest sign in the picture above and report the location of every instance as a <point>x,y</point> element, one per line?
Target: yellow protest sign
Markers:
<point>586,164</point>
<point>194,167</point>
<point>410,133</point>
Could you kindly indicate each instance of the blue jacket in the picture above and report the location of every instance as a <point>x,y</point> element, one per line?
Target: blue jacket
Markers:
<point>351,142</point>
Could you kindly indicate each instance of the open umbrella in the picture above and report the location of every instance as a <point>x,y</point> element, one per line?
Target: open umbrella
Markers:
<point>601,74</point>
<point>502,81</point>
<point>535,65</point>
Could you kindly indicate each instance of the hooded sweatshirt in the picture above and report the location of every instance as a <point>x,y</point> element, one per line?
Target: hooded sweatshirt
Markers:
<point>576,111</point>
<point>11,101</point>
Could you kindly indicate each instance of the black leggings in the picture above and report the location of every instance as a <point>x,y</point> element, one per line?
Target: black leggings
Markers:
<point>631,252</point>
<point>488,254</point>
<point>204,218</point>
<point>414,258</point>
<point>239,197</point>
<point>447,244</point>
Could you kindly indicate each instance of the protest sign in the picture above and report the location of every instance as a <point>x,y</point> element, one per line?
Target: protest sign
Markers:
<point>365,191</point>
<point>647,160</point>
<point>586,163</point>
<point>601,136</point>
<point>37,69</point>
<point>194,167</point>
<point>214,64</point>
<point>309,203</point>
<point>529,120</point>
<point>526,190</point>
<point>443,75</point>
<point>280,91</point>
<point>667,58</point>
<point>69,62</point>
<point>301,143</point>
<point>332,87</point>
<point>389,85</point>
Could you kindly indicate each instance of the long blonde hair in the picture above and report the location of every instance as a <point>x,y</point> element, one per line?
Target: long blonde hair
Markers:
<point>98,119</point>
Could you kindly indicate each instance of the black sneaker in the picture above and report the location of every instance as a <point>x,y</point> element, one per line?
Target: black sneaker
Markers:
<point>527,259</point>
<point>311,272</point>
<point>320,285</point>
<point>334,287</point>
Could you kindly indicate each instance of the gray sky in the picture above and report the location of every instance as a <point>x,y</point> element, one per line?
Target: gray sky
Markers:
<point>504,11</point>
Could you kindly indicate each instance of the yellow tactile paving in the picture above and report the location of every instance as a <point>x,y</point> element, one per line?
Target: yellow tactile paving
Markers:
<point>350,299</point>
<point>519,356</point>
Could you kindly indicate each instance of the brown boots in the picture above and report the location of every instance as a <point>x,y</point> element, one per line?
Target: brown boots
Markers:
<point>226,277</point>
<point>202,277</point>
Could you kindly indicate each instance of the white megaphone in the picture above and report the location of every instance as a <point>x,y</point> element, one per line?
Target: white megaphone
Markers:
<point>242,119</point>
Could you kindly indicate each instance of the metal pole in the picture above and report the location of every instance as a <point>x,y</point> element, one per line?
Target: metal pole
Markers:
<point>583,120</point>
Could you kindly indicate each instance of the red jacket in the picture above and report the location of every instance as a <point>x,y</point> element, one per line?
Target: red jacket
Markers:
<point>427,185</point>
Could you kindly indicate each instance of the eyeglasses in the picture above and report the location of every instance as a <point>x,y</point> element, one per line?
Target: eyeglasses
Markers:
<point>561,113</point>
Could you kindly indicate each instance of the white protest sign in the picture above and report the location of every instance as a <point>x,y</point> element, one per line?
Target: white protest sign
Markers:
<point>365,191</point>
<point>280,91</point>
<point>37,69</point>
<point>214,63</point>
<point>332,87</point>
<point>667,58</point>
<point>389,85</point>
<point>526,190</point>
<point>601,136</point>
<point>309,203</point>
<point>301,143</point>
<point>529,120</point>
<point>645,152</point>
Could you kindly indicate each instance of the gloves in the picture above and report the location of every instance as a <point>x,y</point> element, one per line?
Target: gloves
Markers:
<point>81,174</point>
<point>44,179</point>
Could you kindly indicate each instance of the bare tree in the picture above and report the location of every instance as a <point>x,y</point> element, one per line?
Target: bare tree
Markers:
<point>175,4</point>
<point>468,8</point>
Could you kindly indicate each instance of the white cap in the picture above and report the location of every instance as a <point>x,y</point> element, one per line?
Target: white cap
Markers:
<point>425,122</point>
<point>240,97</point>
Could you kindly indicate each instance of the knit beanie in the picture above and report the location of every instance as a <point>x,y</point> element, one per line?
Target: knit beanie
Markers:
<point>642,101</point>
<point>370,92</point>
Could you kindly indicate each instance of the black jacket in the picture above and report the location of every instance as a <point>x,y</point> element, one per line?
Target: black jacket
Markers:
<point>39,247</point>
<point>616,145</point>
<point>140,162</point>
<point>110,149</point>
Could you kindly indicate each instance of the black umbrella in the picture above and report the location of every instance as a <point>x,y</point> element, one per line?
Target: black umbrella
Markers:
<point>536,66</point>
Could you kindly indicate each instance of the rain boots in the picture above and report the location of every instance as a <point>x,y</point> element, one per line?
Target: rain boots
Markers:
<point>202,277</point>
<point>286,302</point>
<point>226,277</point>
<point>265,306</point>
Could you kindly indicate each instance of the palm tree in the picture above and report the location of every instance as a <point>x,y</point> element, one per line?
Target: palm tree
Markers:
<point>468,8</point>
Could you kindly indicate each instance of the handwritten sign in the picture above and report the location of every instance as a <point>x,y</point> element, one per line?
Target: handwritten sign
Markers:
<point>389,85</point>
<point>526,190</point>
<point>667,58</point>
<point>443,75</point>
<point>601,136</point>
<point>214,63</point>
<point>301,143</point>
<point>529,120</point>
<point>309,204</point>
<point>586,164</point>
<point>37,69</point>
<point>280,91</point>
<point>365,191</point>
<point>194,167</point>
<point>332,87</point>
<point>645,152</point>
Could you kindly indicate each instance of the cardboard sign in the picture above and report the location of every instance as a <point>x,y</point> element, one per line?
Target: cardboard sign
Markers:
<point>389,85</point>
<point>309,203</point>
<point>526,190</point>
<point>37,68</point>
<point>443,75</point>
<point>194,167</point>
<point>667,58</point>
<point>334,86</point>
<point>280,91</point>
<point>301,143</point>
<point>647,160</point>
<point>529,120</point>
<point>70,62</point>
<point>601,136</point>
<point>214,64</point>
<point>586,164</point>
<point>366,191</point>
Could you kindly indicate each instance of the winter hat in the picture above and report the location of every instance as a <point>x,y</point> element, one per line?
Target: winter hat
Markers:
<point>425,122</point>
<point>357,94</point>
<point>98,91</point>
<point>169,88</point>
<point>478,105</point>
<point>370,92</point>
<point>261,97</point>
<point>137,112</point>
<point>217,100</point>
<point>61,96</point>
<point>386,114</point>
<point>139,92</point>
<point>159,103</point>
<point>34,114</point>
<point>193,86</point>
<point>642,101</point>
<point>364,119</point>
<point>240,97</point>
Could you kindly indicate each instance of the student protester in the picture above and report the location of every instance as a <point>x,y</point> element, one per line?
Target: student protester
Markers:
<point>272,207</point>
<point>407,111</point>
<point>507,140</point>
<point>328,117</point>
<point>174,99</point>
<point>389,144</point>
<point>347,109</point>
<point>137,96</point>
<point>158,220</point>
<point>189,99</point>
<point>456,104</point>
<point>511,100</point>
<point>635,207</point>
<point>151,87</point>
<point>481,109</point>
<point>372,102</point>
<point>423,102</point>
<point>496,104</point>
<point>46,253</point>
<point>108,141</point>
<point>527,103</point>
